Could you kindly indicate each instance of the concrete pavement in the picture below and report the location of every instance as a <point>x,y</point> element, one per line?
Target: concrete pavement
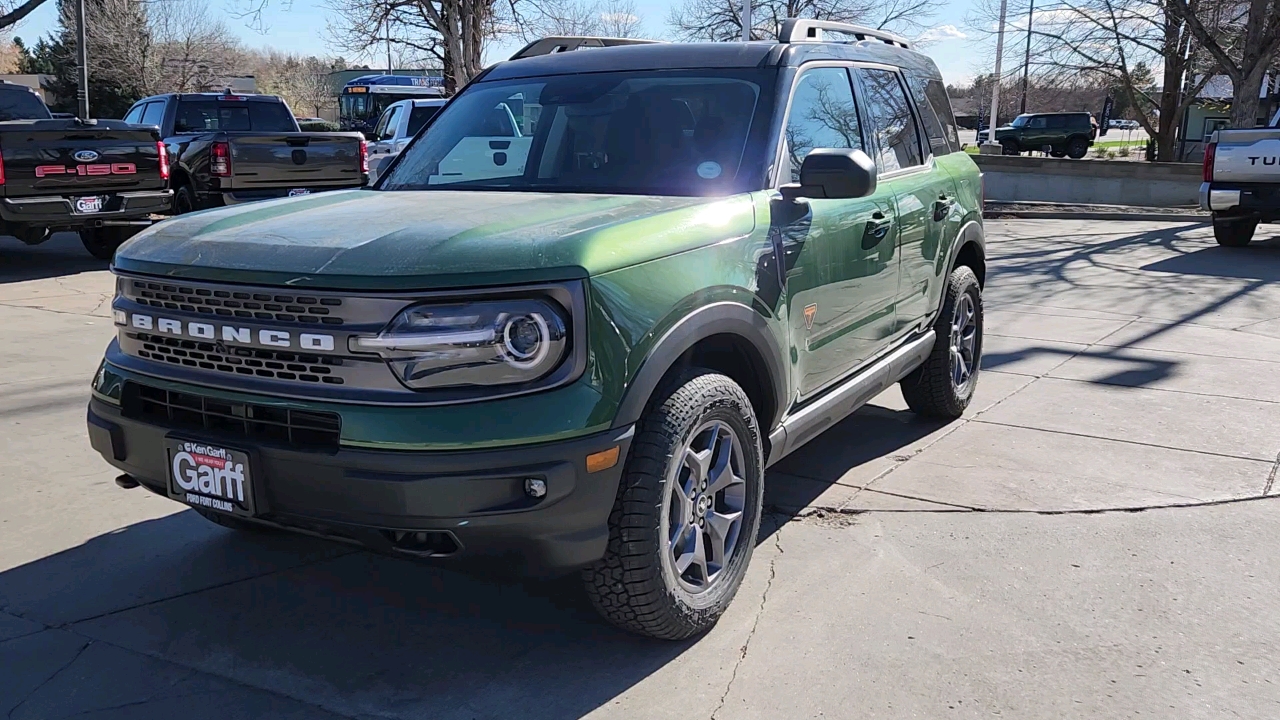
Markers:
<point>1094,538</point>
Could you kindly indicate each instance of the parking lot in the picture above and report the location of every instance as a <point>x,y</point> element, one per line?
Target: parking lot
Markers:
<point>1095,539</point>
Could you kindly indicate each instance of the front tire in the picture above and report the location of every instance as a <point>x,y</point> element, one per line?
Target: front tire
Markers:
<point>1234,233</point>
<point>1010,147</point>
<point>943,386</point>
<point>103,242</point>
<point>684,524</point>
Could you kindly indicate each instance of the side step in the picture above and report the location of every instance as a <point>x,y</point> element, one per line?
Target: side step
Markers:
<point>809,421</point>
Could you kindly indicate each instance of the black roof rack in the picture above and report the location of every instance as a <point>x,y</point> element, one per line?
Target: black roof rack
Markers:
<point>796,30</point>
<point>567,43</point>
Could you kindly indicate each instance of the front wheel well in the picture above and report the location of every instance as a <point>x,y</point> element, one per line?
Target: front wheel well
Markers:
<point>740,360</point>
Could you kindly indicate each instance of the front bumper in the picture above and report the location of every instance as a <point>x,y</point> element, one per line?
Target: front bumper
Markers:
<point>57,211</point>
<point>468,504</point>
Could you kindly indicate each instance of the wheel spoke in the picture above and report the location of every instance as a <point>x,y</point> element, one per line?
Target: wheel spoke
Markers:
<point>720,526</point>
<point>699,555</point>
<point>699,464</point>
<point>680,549</point>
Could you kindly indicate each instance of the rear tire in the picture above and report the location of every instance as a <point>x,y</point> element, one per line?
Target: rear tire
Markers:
<point>103,242</point>
<point>1234,233</point>
<point>943,386</point>
<point>678,546</point>
<point>1077,148</point>
<point>184,200</point>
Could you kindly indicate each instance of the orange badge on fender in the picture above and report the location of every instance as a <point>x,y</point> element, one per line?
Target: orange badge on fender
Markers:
<point>810,312</point>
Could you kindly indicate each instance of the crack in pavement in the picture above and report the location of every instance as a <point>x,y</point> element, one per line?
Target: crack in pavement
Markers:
<point>764,598</point>
<point>49,679</point>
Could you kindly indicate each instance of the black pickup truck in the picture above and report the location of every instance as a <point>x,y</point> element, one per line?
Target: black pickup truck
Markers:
<point>230,149</point>
<point>102,178</point>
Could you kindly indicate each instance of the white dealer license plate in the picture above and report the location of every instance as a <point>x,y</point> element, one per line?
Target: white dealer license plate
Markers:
<point>90,203</point>
<point>299,191</point>
<point>210,476</point>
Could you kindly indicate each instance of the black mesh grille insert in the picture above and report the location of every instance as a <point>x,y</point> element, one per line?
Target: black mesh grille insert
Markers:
<point>261,423</point>
<point>285,308</point>
<point>239,360</point>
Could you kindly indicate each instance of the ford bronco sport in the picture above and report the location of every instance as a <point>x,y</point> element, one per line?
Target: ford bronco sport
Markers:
<point>576,348</point>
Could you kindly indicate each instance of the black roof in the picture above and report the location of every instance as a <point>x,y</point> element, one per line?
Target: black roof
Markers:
<point>679,56</point>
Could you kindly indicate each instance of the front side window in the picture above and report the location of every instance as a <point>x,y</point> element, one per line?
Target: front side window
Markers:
<point>387,126</point>
<point>897,143</point>
<point>672,132</point>
<point>1020,121</point>
<point>823,115</point>
<point>1039,123</point>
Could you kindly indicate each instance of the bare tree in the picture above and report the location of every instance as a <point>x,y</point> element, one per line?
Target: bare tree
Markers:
<point>1243,37</point>
<point>302,81</point>
<point>721,20</point>
<point>542,18</point>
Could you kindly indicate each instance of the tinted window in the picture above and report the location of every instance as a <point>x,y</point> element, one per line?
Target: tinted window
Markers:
<point>939,126</point>
<point>1038,123</point>
<point>895,129</point>
<point>1056,121</point>
<point>823,115</point>
<point>153,114</point>
<point>233,116</point>
<point>419,117</point>
<point>669,132</point>
<point>135,114</point>
<point>20,104</point>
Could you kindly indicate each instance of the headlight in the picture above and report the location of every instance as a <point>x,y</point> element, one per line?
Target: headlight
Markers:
<point>472,344</point>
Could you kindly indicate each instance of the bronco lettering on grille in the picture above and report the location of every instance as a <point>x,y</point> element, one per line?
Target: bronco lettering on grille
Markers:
<point>318,342</point>
<point>83,170</point>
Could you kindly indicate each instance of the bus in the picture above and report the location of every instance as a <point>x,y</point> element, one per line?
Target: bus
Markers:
<point>364,98</point>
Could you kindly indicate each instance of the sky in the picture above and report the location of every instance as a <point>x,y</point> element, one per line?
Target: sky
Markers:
<point>300,28</point>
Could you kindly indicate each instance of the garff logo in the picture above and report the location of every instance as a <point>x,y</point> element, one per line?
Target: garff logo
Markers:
<point>85,156</point>
<point>85,170</point>
<point>209,471</point>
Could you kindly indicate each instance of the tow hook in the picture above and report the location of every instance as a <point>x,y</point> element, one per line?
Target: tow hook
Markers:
<point>126,482</point>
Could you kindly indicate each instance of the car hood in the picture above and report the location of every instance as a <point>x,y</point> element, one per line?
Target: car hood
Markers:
<point>437,238</point>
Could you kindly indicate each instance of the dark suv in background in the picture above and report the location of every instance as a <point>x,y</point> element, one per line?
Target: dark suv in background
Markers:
<point>1065,134</point>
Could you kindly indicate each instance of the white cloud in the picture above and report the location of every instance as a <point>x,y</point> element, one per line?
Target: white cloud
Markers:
<point>941,33</point>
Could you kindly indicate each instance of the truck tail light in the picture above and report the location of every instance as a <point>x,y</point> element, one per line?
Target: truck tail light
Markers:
<point>1210,153</point>
<point>1,169</point>
<point>164,159</point>
<point>220,159</point>
<point>364,156</point>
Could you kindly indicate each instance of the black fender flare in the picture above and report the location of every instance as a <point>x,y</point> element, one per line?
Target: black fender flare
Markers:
<point>720,318</point>
<point>970,233</point>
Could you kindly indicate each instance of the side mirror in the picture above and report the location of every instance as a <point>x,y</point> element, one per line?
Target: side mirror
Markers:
<point>834,173</point>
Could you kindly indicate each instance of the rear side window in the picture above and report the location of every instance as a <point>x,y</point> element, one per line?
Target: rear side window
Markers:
<point>823,115</point>
<point>22,105</point>
<point>196,116</point>
<point>419,117</point>
<point>898,145</point>
<point>154,114</point>
<point>935,113</point>
<point>1056,122</point>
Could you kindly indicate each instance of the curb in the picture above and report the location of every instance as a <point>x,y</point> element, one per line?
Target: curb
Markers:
<point>993,214</point>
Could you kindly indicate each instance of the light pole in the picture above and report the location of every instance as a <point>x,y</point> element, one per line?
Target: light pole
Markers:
<point>746,20</point>
<point>82,59</point>
<point>991,147</point>
<point>1026,60</point>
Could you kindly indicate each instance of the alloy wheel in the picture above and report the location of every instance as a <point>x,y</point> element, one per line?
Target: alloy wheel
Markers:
<point>705,508</point>
<point>964,341</point>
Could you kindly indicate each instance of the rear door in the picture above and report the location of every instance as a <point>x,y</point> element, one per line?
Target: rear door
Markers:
<point>922,192</point>
<point>841,255</point>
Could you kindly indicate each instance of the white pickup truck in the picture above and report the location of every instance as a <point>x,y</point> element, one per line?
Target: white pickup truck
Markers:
<point>397,126</point>
<point>1241,185</point>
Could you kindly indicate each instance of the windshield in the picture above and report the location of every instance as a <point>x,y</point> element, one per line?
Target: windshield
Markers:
<point>695,132</point>
<point>1021,121</point>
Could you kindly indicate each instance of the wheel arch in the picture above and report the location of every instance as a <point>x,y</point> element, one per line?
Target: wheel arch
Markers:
<point>726,337</point>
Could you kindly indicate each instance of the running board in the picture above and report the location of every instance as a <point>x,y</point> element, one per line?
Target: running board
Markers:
<point>809,421</point>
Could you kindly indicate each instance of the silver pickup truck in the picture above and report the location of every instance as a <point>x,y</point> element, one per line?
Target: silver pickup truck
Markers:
<point>1242,181</point>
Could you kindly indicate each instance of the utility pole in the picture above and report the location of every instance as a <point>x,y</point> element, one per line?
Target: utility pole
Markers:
<point>386,25</point>
<point>991,147</point>
<point>746,20</point>
<point>82,52</point>
<point>1026,60</point>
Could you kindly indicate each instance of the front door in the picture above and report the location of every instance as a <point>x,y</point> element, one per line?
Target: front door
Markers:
<point>842,267</point>
<point>923,193</point>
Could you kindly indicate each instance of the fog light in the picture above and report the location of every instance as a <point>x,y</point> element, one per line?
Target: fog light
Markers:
<point>535,487</point>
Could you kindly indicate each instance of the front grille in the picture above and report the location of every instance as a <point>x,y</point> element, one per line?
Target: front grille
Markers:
<point>300,309</point>
<point>261,423</point>
<point>240,360</point>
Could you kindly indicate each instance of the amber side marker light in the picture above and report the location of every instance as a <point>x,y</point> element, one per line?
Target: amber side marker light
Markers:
<point>602,460</point>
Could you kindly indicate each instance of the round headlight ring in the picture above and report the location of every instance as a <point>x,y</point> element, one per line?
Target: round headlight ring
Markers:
<point>515,337</point>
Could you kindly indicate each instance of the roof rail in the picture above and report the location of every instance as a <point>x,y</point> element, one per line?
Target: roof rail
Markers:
<point>795,30</point>
<point>567,43</point>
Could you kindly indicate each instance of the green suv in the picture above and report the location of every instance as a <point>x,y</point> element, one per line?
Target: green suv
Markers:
<point>1064,134</point>
<point>575,347</point>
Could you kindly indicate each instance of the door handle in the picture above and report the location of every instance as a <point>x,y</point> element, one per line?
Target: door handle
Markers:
<point>942,208</point>
<point>876,230</point>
